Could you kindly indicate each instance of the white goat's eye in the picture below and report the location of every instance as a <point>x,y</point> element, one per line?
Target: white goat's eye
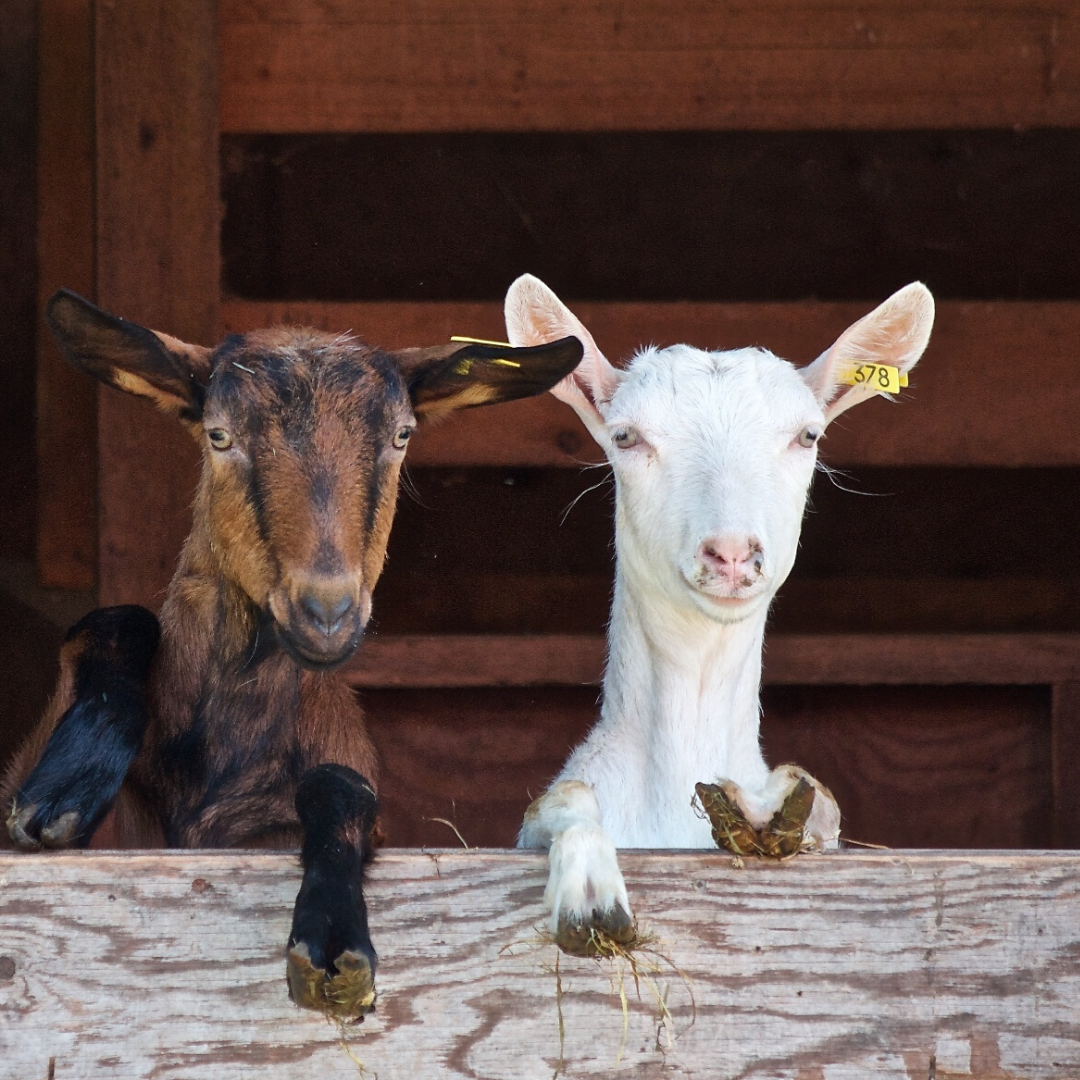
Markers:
<point>219,438</point>
<point>809,436</point>
<point>401,437</point>
<point>625,437</point>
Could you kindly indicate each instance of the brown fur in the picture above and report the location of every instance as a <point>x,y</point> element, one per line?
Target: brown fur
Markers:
<point>263,719</point>
<point>300,435</point>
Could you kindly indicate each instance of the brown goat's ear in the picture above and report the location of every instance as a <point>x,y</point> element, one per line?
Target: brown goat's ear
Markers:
<point>448,377</point>
<point>171,373</point>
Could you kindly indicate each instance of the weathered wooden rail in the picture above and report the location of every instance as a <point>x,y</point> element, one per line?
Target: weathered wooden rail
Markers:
<point>899,964</point>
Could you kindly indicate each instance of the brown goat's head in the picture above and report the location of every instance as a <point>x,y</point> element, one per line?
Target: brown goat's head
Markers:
<point>303,436</point>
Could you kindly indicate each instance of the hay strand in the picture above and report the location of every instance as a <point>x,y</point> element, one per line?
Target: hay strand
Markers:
<point>450,824</point>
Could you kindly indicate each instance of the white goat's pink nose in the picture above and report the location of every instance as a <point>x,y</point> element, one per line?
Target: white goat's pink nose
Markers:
<point>738,558</point>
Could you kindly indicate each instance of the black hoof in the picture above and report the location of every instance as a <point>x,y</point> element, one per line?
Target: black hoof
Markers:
<point>79,774</point>
<point>331,961</point>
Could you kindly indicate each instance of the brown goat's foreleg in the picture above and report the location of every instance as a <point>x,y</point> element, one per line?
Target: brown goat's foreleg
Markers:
<point>331,962</point>
<point>66,787</point>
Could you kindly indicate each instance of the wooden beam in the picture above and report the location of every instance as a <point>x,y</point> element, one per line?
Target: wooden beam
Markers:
<point>66,400</point>
<point>541,65</point>
<point>952,414</point>
<point>1065,762</point>
<point>449,660</point>
<point>446,660</point>
<point>146,964</point>
<point>157,264</point>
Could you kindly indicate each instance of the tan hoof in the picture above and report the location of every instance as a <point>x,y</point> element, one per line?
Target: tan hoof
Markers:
<point>782,836</point>
<point>594,935</point>
<point>347,995</point>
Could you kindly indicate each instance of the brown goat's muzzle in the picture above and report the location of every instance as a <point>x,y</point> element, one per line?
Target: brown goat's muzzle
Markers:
<point>320,622</point>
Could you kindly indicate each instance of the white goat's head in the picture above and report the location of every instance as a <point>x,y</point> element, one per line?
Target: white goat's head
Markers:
<point>713,452</point>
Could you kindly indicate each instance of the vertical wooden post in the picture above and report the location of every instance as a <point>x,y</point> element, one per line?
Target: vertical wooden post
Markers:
<point>157,263</point>
<point>66,400</point>
<point>1065,751</point>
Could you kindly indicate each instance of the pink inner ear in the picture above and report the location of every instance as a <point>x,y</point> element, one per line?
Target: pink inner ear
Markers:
<point>896,333</point>
<point>534,314</point>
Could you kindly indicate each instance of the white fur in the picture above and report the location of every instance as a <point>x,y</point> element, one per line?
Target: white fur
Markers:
<point>709,506</point>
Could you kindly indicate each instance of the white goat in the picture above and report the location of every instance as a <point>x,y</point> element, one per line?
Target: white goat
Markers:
<point>713,454</point>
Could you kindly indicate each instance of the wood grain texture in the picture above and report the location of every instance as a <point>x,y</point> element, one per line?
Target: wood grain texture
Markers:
<point>951,415</point>
<point>923,766</point>
<point>66,399</point>
<point>856,965</point>
<point>309,65</point>
<point>434,660</point>
<point>157,264</point>
<point>1065,752</point>
<point>475,757</point>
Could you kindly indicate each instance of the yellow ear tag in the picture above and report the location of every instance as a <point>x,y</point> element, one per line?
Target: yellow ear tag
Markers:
<point>462,366</point>
<point>883,378</point>
<point>480,341</point>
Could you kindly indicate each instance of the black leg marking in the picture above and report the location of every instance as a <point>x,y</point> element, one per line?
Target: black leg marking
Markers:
<point>331,961</point>
<point>85,761</point>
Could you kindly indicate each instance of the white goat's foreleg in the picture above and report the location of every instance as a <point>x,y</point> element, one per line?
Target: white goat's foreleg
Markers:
<point>585,890</point>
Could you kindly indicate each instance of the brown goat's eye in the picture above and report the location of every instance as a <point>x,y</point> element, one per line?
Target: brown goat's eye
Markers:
<point>809,436</point>
<point>625,437</point>
<point>401,437</point>
<point>219,438</point>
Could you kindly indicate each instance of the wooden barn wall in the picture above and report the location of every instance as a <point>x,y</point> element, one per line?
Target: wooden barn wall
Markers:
<point>950,767</point>
<point>356,220</point>
<point>951,154</point>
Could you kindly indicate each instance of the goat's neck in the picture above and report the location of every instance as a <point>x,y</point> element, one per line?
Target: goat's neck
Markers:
<point>685,684</point>
<point>213,643</point>
<point>202,601</point>
<point>681,705</point>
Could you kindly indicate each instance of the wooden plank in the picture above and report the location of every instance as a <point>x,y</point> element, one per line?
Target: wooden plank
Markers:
<point>1065,759</point>
<point>66,400</point>
<point>449,599</point>
<point>921,659</point>
<point>910,766</point>
<point>157,264</point>
<point>951,415</point>
<point>474,757</point>
<point>917,766</point>
<point>445,660</point>
<point>529,65</point>
<point>434,660</point>
<point>893,964</point>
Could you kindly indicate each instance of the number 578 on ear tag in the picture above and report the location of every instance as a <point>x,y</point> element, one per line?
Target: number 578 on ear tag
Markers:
<point>880,377</point>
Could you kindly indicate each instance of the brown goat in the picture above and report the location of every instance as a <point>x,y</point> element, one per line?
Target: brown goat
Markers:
<point>233,732</point>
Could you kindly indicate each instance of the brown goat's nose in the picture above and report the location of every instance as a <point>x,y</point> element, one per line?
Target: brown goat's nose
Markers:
<point>326,611</point>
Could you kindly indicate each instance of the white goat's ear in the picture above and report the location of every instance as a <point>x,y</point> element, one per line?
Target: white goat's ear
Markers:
<point>896,333</point>
<point>535,315</point>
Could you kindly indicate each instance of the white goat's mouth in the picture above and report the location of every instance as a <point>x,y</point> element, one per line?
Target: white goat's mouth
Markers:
<point>724,596</point>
